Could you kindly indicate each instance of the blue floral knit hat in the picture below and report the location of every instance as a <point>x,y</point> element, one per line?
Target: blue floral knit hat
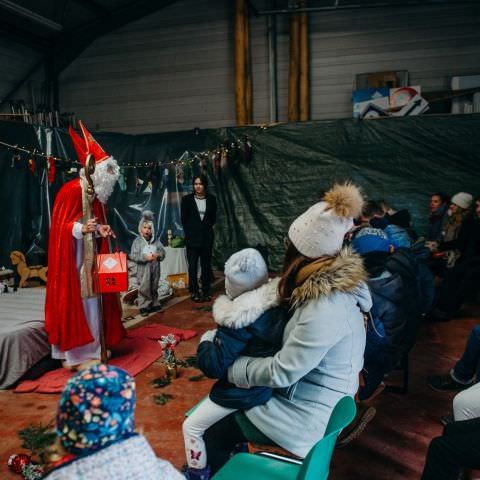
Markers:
<point>96,408</point>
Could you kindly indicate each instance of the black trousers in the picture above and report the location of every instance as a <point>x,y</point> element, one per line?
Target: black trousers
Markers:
<point>220,440</point>
<point>205,255</point>
<point>460,283</point>
<point>458,447</point>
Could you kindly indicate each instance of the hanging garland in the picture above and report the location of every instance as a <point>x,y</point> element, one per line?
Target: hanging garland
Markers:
<point>219,158</point>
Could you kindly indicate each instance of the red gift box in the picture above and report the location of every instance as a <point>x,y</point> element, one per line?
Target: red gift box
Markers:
<point>112,272</point>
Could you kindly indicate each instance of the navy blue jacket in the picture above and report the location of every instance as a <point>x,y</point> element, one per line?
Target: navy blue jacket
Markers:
<point>389,329</point>
<point>248,326</point>
<point>385,342</point>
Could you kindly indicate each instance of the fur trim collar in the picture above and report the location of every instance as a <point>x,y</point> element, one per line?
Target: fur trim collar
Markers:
<point>341,273</point>
<point>246,308</point>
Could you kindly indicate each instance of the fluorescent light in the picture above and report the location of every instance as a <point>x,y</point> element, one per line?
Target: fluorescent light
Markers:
<point>34,17</point>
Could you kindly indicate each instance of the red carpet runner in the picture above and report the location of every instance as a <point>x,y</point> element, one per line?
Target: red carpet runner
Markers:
<point>134,354</point>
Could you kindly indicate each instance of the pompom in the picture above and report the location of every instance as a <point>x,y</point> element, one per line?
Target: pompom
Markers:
<point>245,264</point>
<point>345,200</point>
<point>147,216</point>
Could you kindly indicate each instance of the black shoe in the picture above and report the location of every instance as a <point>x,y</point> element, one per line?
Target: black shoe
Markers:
<point>447,419</point>
<point>195,297</point>
<point>363,417</point>
<point>445,383</point>
<point>144,312</point>
<point>156,308</point>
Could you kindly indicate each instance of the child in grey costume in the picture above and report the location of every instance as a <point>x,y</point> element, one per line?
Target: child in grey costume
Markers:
<point>145,256</point>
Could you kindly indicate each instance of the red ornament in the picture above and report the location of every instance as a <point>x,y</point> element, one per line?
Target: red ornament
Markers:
<point>51,170</point>
<point>16,462</point>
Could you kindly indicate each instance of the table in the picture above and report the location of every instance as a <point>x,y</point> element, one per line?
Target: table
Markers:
<point>175,261</point>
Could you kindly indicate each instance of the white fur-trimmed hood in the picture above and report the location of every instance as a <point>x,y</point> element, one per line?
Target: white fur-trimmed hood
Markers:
<point>246,308</point>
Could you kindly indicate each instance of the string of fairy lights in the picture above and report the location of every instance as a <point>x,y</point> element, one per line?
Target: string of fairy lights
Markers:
<point>218,156</point>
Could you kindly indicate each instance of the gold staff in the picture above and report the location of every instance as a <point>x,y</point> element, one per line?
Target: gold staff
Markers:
<point>89,171</point>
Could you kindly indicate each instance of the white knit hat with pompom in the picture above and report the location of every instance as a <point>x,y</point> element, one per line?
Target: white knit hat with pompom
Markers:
<point>245,270</point>
<point>321,229</point>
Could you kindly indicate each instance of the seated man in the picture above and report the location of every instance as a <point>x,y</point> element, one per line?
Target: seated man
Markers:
<point>465,372</point>
<point>457,448</point>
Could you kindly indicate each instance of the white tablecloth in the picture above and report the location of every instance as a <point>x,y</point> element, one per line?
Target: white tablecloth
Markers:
<point>175,261</point>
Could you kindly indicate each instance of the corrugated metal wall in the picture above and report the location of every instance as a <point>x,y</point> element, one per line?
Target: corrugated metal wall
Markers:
<point>169,71</point>
<point>433,43</point>
<point>17,60</point>
<point>174,69</point>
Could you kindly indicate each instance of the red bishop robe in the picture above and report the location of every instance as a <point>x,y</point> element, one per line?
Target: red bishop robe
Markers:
<point>65,320</point>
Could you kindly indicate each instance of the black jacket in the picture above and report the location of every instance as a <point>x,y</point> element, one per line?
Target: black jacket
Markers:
<point>403,263</point>
<point>198,233</point>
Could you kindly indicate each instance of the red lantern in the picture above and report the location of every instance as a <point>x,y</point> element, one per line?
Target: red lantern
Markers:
<point>112,272</point>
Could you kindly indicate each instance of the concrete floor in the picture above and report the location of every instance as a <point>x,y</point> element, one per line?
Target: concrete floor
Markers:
<point>393,446</point>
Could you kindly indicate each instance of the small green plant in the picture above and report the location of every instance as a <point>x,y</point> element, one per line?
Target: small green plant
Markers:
<point>37,437</point>
<point>162,399</point>
<point>161,382</point>
<point>188,362</point>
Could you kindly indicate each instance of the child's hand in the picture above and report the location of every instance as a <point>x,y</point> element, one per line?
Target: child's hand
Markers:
<point>208,336</point>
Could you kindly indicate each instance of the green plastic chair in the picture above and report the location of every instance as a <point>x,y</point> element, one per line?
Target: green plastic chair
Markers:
<point>315,466</point>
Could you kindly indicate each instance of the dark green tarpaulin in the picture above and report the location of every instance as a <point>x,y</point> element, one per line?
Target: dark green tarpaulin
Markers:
<point>402,160</point>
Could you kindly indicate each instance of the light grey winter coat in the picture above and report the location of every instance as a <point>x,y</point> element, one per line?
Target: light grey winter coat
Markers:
<point>320,360</point>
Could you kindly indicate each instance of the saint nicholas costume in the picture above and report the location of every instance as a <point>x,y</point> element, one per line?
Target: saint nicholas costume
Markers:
<point>72,318</point>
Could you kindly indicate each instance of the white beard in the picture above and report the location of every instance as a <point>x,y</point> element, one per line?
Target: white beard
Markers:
<point>104,181</point>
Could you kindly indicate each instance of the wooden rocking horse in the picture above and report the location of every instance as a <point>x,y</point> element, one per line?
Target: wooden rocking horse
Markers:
<point>24,271</point>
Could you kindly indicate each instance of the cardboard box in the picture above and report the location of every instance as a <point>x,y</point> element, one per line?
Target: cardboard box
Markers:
<point>179,283</point>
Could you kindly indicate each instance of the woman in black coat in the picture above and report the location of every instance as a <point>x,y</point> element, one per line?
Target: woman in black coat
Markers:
<point>199,212</point>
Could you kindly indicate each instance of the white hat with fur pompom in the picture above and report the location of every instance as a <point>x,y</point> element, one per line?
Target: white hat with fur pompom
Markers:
<point>321,229</point>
